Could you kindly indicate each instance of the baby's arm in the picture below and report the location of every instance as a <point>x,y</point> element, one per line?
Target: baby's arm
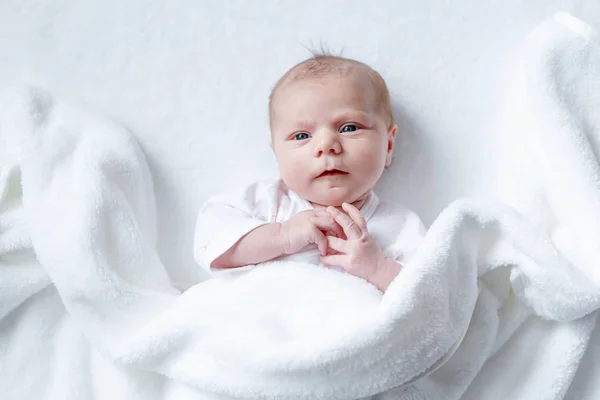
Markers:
<point>262,244</point>
<point>383,276</point>
<point>238,229</point>
<point>275,239</point>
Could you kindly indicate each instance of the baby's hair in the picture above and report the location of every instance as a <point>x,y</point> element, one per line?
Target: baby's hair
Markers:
<point>324,63</point>
<point>322,51</point>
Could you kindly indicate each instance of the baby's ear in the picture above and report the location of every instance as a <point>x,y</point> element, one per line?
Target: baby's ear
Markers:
<point>392,130</point>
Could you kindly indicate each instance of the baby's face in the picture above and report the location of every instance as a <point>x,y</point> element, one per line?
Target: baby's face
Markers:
<point>330,139</point>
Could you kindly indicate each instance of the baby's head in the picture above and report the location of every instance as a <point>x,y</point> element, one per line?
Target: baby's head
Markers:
<point>332,129</point>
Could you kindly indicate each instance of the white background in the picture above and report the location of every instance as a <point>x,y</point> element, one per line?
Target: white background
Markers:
<point>191,80</point>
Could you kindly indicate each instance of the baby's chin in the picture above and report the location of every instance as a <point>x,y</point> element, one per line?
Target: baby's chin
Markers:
<point>332,196</point>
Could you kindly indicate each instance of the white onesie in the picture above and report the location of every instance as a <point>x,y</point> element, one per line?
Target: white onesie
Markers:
<point>226,218</point>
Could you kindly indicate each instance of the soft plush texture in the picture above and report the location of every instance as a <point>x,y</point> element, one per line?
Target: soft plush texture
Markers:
<point>92,312</point>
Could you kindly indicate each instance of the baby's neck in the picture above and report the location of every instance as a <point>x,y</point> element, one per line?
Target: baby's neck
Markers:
<point>359,203</point>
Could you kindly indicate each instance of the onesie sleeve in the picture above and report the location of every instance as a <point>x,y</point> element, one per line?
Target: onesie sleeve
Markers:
<point>224,219</point>
<point>409,238</point>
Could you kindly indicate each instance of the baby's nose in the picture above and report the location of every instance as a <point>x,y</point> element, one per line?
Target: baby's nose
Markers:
<point>329,144</point>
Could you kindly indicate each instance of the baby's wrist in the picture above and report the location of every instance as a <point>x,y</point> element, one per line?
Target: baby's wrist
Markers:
<point>385,273</point>
<point>279,237</point>
<point>283,238</point>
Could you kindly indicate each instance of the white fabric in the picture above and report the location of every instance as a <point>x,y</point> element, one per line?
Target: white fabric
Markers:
<point>557,97</point>
<point>227,217</point>
<point>293,330</point>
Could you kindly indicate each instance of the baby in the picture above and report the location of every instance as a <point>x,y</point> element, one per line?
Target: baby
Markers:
<point>332,132</point>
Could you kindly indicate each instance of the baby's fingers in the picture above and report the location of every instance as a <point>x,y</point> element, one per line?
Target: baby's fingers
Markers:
<point>328,224</point>
<point>351,228</point>
<point>320,240</point>
<point>337,244</point>
<point>356,216</point>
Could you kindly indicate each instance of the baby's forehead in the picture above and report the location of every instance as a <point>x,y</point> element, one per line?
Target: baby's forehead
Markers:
<point>321,67</point>
<point>354,79</point>
<point>304,98</point>
<point>312,70</point>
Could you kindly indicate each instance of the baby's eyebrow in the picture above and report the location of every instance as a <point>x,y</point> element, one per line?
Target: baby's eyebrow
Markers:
<point>352,114</point>
<point>302,124</point>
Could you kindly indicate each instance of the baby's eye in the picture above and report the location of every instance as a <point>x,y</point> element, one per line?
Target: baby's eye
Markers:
<point>349,128</point>
<point>301,136</point>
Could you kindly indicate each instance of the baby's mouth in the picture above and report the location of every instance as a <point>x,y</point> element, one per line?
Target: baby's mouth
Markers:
<point>333,172</point>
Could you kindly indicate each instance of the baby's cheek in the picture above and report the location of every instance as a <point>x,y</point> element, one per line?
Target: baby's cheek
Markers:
<point>371,156</point>
<point>293,169</point>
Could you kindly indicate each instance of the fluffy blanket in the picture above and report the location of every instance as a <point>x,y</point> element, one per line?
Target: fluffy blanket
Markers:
<point>87,309</point>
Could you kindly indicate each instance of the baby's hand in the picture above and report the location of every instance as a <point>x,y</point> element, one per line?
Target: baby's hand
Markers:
<point>360,254</point>
<point>308,227</point>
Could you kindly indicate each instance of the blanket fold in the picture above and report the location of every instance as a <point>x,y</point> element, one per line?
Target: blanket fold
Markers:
<point>77,212</point>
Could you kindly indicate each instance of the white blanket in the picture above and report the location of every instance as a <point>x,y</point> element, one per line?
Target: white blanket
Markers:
<point>87,309</point>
